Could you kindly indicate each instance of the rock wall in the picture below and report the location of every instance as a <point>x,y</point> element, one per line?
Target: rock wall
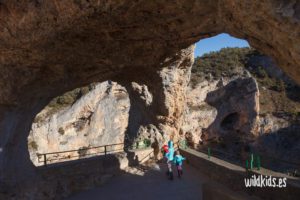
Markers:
<point>50,47</point>
<point>224,111</point>
<point>158,100</point>
<point>238,108</point>
<point>98,118</point>
<point>279,142</point>
<point>198,114</point>
<point>219,107</point>
<point>101,116</point>
<point>268,64</point>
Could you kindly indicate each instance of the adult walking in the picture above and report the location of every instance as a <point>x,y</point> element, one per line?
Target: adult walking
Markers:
<point>170,157</point>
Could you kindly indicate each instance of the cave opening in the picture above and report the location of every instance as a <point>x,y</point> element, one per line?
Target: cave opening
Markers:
<point>224,60</point>
<point>218,61</point>
<point>79,123</point>
<point>48,44</point>
<point>230,121</point>
<point>241,93</point>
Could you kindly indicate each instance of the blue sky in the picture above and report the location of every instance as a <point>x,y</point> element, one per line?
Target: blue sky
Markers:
<point>218,42</point>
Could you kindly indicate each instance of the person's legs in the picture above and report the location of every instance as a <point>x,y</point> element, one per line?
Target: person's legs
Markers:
<point>167,172</point>
<point>179,171</point>
<point>170,170</point>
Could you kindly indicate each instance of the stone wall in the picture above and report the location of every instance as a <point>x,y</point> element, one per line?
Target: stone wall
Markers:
<point>233,177</point>
<point>58,181</point>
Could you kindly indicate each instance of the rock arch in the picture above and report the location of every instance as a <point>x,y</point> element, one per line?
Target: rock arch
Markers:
<point>49,47</point>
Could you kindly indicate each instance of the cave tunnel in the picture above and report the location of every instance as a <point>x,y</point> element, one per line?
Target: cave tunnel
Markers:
<point>51,47</point>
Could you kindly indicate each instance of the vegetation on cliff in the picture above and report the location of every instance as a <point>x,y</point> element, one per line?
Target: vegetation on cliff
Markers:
<point>63,101</point>
<point>276,95</point>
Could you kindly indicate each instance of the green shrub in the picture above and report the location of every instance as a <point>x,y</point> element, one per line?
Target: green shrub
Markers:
<point>222,63</point>
<point>37,119</point>
<point>82,151</point>
<point>61,131</point>
<point>33,145</point>
<point>147,142</point>
<point>279,86</point>
<point>261,72</point>
<point>276,95</point>
<point>67,99</point>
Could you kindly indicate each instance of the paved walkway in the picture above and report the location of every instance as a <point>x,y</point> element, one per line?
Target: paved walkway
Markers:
<point>151,183</point>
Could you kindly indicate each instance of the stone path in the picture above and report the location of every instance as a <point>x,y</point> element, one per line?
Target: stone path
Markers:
<point>146,184</point>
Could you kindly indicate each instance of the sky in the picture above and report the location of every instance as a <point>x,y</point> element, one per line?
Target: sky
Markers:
<point>218,42</point>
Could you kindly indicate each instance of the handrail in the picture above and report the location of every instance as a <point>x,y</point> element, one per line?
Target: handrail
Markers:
<point>235,155</point>
<point>183,144</point>
<point>76,150</point>
<point>103,152</point>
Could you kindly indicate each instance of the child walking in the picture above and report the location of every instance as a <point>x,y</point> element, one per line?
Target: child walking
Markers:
<point>178,160</point>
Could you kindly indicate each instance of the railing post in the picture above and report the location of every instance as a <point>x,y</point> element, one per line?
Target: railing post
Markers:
<point>208,152</point>
<point>105,150</point>
<point>258,162</point>
<point>45,159</point>
<point>251,161</point>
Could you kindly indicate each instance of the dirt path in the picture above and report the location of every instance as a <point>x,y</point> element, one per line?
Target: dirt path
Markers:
<point>151,183</point>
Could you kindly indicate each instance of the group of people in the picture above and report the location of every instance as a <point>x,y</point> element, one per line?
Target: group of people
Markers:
<point>177,160</point>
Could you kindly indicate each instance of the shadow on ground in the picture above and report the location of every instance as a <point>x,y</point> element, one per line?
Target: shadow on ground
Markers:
<point>148,183</point>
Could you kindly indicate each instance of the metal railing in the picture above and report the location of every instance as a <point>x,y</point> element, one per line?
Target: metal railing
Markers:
<point>84,152</point>
<point>249,160</point>
<point>87,152</point>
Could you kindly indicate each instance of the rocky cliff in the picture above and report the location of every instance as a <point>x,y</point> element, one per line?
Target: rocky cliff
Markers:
<point>50,47</point>
<point>98,118</point>
<point>212,106</point>
<point>219,107</point>
<point>108,113</point>
<point>239,99</point>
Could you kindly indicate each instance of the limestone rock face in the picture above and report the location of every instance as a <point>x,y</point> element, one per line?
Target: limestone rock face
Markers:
<point>218,107</point>
<point>270,123</point>
<point>237,104</point>
<point>279,138</point>
<point>50,47</point>
<point>198,114</point>
<point>89,40</point>
<point>98,118</point>
<point>282,143</point>
<point>158,101</point>
<point>175,80</point>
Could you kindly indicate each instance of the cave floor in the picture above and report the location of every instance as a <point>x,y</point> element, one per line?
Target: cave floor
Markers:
<point>148,183</point>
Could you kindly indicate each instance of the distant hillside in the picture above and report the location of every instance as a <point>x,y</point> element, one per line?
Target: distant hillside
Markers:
<point>59,103</point>
<point>278,94</point>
